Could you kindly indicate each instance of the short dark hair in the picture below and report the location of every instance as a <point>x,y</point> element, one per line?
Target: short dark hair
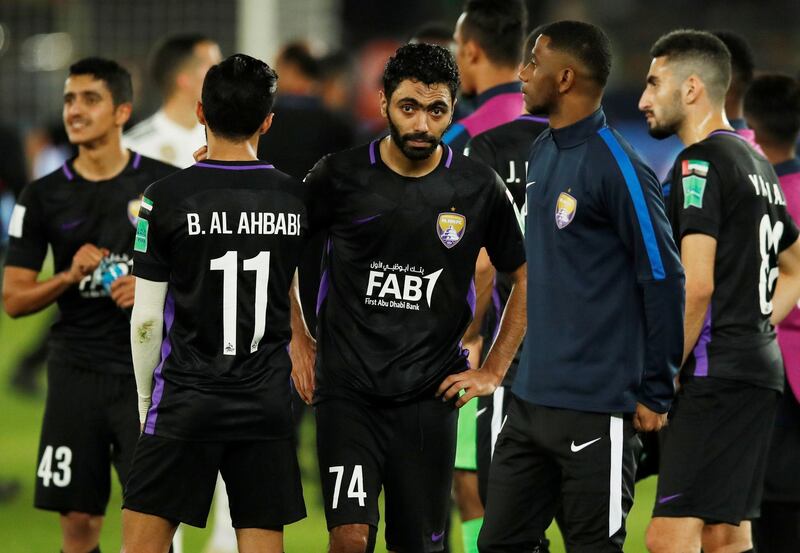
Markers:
<point>743,64</point>
<point>530,42</point>
<point>772,104</point>
<point>434,32</point>
<point>426,63</point>
<point>498,26</point>
<point>238,94</point>
<point>701,53</point>
<point>116,77</point>
<point>298,54</point>
<point>170,56</point>
<point>585,42</point>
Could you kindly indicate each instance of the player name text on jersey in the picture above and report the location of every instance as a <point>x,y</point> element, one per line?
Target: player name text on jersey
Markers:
<point>249,222</point>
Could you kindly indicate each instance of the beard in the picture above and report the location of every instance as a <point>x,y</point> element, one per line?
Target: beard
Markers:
<point>663,129</point>
<point>669,122</point>
<point>544,104</point>
<point>414,153</point>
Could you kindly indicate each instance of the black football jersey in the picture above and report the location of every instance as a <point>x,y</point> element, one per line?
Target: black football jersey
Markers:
<point>226,237</point>
<point>723,188</point>
<point>66,211</point>
<point>397,291</point>
<point>506,149</point>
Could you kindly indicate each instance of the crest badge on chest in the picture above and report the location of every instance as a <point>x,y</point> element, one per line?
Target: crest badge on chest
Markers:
<point>450,228</point>
<point>566,206</point>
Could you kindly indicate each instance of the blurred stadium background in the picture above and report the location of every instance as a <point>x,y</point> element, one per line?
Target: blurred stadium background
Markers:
<point>40,38</point>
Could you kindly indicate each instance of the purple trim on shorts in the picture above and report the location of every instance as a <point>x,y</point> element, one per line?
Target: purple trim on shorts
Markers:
<point>233,167</point>
<point>472,296</point>
<point>449,156</point>
<point>701,349</point>
<point>67,172</point>
<point>667,499</point>
<point>372,158</point>
<point>367,219</point>
<point>535,119</point>
<point>137,159</point>
<point>166,350</point>
<point>72,224</point>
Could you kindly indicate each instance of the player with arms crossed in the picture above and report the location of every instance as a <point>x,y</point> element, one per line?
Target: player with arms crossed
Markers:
<point>406,218</point>
<point>216,248</point>
<point>86,212</point>
<point>739,248</point>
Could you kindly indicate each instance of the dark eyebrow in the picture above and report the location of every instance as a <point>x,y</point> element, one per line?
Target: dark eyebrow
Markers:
<point>652,79</point>
<point>438,104</point>
<point>409,100</point>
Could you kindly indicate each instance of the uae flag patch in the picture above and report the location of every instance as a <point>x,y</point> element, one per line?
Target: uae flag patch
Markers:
<point>694,172</point>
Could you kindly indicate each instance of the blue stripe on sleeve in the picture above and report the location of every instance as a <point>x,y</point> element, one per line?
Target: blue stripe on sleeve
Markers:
<point>635,190</point>
<point>453,132</point>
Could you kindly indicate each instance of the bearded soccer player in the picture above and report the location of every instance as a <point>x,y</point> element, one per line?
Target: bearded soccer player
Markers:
<point>605,319</point>
<point>406,217</point>
<point>86,212</point>
<point>772,109</point>
<point>740,251</point>
<point>216,247</point>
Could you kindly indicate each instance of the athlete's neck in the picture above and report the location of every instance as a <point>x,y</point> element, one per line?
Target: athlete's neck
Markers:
<point>490,76</point>
<point>226,150</point>
<point>396,160</point>
<point>700,121</point>
<point>102,159</point>
<point>571,110</point>
<point>181,111</point>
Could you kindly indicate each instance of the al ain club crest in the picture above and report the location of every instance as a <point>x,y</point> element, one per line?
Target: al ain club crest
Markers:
<point>450,227</point>
<point>565,209</point>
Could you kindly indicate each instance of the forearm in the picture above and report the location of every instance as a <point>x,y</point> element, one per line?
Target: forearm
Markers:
<point>512,329</point>
<point>484,285</point>
<point>29,297</point>
<point>147,324</point>
<point>298,321</point>
<point>787,292</point>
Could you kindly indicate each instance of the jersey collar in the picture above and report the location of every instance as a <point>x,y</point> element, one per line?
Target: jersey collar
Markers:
<point>579,132</point>
<point>788,167</point>
<point>72,175</point>
<point>375,157</point>
<point>505,88</point>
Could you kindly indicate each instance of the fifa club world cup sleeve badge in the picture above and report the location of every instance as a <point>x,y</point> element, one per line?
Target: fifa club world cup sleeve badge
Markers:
<point>693,177</point>
<point>565,209</point>
<point>450,227</point>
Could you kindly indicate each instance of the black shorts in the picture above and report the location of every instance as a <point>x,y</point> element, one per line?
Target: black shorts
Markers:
<point>714,451</point>
<point>492,411</point>
<point>549,460</point>
<point>90,422</point>
<point>175,479</point>
<point>783,460</point>
<point>407,450</point>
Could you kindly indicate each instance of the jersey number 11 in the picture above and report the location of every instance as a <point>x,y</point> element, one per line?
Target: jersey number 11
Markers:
<point>228,264</point>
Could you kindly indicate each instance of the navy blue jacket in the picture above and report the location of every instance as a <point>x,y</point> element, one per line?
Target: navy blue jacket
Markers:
<point>605,282</point>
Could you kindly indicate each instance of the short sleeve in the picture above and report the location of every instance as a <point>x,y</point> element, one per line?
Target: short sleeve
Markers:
<point>695,196</point>
<point>151,246</point>
<point>790,231</point>
<point>320,208</point>
<point>27,231</point>
<point>503,241</point>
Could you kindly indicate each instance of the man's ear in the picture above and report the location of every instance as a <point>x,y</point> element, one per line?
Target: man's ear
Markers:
<point>472,51</point>
<point>691,89</point>
<point>566,79</point>
<point>266,124</point>
<point>201,117</point>
<point>122,113</point>
<point>384,104</point>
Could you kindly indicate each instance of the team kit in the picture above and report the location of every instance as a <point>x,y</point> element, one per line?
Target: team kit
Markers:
<point>618,307</point>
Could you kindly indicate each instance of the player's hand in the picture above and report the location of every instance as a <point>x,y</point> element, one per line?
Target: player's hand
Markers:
<point>85,261</point>
<point>646,420</point>
<point>122,291</point>
<point>201,153</point>
<point>303,351</point>
<point>474,382</point>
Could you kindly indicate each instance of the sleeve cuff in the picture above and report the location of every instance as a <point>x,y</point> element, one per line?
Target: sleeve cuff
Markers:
<point>151,271</point>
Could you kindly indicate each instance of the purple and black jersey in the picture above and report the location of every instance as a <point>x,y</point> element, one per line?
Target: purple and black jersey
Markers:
<point>397,293</point>
<point>506,149</point>
<point>226,236</point>
<point>724,189</point>
<point>66,211</point>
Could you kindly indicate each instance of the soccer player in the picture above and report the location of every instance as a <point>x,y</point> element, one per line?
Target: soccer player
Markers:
<point>505,149</point>
<point>736,240</point>
<point>86,212</point>
<point>772,109</point>
<point>406,217</point>
<point>605,319</point>
<point>488,49</point>
<point>216,247</point>
<point>178,66</point>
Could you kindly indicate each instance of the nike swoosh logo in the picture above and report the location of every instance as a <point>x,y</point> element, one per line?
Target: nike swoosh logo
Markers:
<point>577,448</point>
<point>666,499</point>
<point>530,184</point>
<point>480,412</point>
<point>436,536</point>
